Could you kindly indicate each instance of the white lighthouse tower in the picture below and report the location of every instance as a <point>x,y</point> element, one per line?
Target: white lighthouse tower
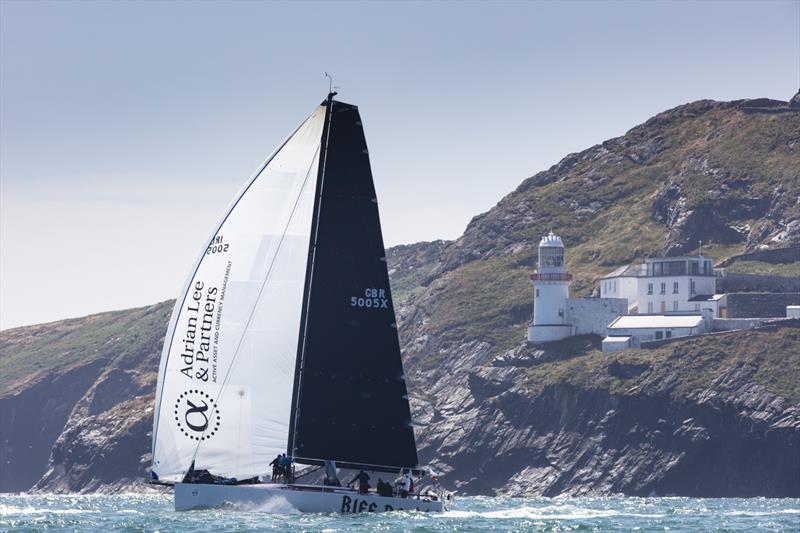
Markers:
<point>550,293</point>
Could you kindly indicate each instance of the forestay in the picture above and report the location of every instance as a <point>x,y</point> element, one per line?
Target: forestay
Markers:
<point>228,364</point>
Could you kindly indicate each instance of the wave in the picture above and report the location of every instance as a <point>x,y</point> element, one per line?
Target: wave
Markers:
<point>10,510</point>
<point>761,513</point>
<point>552,512</point>
<point>274,505</point>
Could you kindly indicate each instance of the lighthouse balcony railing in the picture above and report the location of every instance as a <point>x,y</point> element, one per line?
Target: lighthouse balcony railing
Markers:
<point>551,276</point>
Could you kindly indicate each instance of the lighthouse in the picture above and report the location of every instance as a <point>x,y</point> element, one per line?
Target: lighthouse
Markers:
<point>550,293</point>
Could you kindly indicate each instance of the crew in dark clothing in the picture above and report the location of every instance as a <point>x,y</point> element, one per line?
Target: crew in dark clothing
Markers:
<point>363,482</point>
<point>276,468</point>
<point>384,488</point>
<point>286,468</point>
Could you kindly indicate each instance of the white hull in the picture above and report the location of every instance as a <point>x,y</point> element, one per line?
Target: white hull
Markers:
<point>305,498</point>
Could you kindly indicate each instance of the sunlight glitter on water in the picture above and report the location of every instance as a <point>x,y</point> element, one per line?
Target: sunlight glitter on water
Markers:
<point>136,512</point>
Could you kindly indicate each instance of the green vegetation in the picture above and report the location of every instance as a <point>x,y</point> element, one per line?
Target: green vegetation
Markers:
<point>789,270</point>
<point>410,266</point>
<point>685,367</point>
<point>118,336</point>
<point>615,204</point>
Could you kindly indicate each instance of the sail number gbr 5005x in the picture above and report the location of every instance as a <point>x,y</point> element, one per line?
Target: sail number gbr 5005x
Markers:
<point>373,298</point>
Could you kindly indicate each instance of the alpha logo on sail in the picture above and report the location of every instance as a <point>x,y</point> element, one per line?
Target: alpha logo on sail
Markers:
<point>196,415</point>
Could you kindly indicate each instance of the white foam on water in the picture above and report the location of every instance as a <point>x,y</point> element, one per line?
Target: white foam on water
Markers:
<point>761,513</point>
<point>553,512</point>
<point>275,505</point>
<point>10,510</point>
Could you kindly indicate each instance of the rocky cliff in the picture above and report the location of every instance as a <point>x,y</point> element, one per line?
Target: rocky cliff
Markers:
<point>710,416</point>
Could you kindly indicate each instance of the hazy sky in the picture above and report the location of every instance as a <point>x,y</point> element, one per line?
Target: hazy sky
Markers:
<point>126,128</point>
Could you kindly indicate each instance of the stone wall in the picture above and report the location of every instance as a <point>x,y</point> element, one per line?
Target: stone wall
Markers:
<point>730,282</point>
<point>593,315</point>
<point>733,324</point>
<point>764,305</point>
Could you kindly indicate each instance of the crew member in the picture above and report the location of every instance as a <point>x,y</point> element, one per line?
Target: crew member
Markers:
<point>285,464</point>
<point>331,476</point>
<point>363,482</point>
<point>405,486</point>
<point>276,468</point>
<point>384,488</point>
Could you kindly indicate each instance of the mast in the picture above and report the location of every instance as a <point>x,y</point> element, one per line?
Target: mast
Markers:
<point>312,248</point>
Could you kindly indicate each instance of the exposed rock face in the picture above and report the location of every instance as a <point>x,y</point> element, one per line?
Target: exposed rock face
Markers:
<point>625,427</point>
<point>32,420</point>
<point>795,101</point>
<point>712,416</point>
<point>76,400</point>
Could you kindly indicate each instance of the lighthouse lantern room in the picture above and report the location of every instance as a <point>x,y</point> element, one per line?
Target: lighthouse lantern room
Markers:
<point>550,293</point>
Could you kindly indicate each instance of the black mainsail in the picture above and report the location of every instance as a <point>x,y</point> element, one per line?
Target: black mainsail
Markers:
<point>350,402</point>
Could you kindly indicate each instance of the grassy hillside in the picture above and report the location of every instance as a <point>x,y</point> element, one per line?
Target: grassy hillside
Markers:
<point>684,366</point>
<point>28,353</point>
<point>710,172</point>
<point>789,270</point>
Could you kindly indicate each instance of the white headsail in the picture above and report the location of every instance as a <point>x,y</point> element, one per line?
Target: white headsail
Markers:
<point>227,368</point>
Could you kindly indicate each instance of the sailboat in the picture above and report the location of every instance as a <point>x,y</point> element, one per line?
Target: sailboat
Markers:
<point>284,341</point>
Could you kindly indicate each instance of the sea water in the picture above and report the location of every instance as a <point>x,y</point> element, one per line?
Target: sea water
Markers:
<point>155,513</point>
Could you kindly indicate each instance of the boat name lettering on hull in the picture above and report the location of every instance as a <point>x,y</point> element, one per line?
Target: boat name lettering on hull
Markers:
<point>372,299</point>
<point>354,505</point>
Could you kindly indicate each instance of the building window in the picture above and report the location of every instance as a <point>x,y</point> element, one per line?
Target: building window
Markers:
<point>537,293</point>
<point>552,258</point>
<point>669,334</point>
<point>650,307</point>
<point>691,287</point>
<point>663,287</point>
<point>696,307</point>
<point>659,335</point>
<point>614,289</point>
<point>675,287</point>
<point>674,305</point>
<point>649,288</point>
<point>663,306</point>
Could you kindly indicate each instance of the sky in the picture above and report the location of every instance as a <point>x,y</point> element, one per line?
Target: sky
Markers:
<point>127,127</point>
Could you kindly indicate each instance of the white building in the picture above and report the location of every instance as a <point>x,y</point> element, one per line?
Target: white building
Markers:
<point>631,330</point>
<point>666,285</point>
<point>550,293</point>
<point>556,316</point>
<point>613,344</point>
<point>659,299</point>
